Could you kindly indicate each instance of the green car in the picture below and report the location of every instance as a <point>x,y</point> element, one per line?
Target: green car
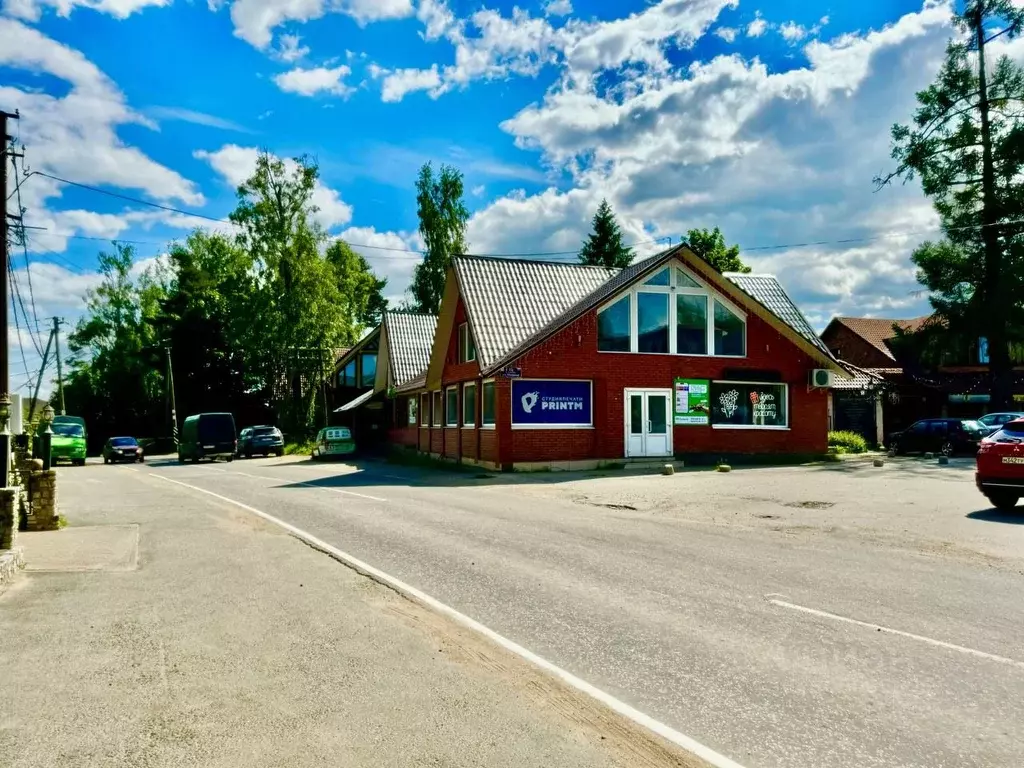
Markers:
<point>333,441</point>
<point>67,443</point>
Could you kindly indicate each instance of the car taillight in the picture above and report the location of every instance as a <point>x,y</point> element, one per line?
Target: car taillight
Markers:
<point>986,445</point>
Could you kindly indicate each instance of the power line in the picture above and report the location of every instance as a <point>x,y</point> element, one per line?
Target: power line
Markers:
<point>24,249</point>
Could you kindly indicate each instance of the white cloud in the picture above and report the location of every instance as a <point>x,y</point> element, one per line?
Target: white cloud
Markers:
<point>290,48</point>
<point>557,8</point>
<point>792,32</point>
<point>32,10</point>
<point>668,149</point>
<point>490,46</point>
<point>399,82</point>
<point>729,34</point>
<point>389,254</point>
<point>757,27</point>
<point>75,136</point>
<point>256,20</point>
<point>478,191</point>
<point>197,118</point>
<point>823,21</point>
<point>236,164</point>
<point>310,82</point>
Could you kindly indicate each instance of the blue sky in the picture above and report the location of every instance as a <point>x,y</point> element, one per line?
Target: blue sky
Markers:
<point>767,119</point>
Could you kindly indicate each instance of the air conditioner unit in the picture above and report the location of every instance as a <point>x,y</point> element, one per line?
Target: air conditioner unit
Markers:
<point>821,378</point>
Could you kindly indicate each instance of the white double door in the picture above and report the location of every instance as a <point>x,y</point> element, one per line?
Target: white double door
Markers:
<point>648,422</point>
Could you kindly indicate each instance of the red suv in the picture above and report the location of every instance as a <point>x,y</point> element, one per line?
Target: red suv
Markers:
<point>1000,474</point>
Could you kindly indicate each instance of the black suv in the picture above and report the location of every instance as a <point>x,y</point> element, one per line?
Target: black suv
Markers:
<point>945,436</point>
<point>263,440</point>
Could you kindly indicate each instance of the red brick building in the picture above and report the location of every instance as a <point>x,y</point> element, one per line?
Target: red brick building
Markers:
<point>539,363</point>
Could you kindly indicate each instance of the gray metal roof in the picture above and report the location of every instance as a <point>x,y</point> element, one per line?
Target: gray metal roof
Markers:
<point>615,280</point>
<point>510,300</point>
<point>767,291</point>
<point>410,337</point>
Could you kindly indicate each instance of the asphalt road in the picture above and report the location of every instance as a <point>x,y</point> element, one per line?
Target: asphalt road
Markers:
<point>775,647</point>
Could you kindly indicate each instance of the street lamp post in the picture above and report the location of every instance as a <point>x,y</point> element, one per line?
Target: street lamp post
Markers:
<point>47,441</point>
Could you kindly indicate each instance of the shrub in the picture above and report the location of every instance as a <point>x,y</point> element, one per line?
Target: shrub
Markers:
<point>849,442</point>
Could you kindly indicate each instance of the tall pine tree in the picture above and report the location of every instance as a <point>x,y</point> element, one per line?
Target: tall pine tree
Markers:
<point>443,217</point>
<point>604,247</point>
<point>966,144</point>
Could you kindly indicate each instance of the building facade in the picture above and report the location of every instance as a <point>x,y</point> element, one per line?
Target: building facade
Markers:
<point>540,364</point>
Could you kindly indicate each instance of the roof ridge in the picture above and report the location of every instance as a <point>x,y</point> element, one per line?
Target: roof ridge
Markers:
<point>521,260</point>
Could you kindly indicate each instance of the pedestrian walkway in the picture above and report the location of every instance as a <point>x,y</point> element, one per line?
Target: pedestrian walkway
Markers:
<point>230,643</point>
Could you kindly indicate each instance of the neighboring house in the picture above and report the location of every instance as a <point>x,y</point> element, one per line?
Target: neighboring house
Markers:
<point>867,342</point>
<point>405,342</point>
<point>537,363</point>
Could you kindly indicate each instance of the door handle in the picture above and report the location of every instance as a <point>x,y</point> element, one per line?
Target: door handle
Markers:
<point>649,425</point>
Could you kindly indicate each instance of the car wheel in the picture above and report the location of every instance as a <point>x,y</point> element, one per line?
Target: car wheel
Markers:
<point>1003,500</point>
<point>947,449</point>
<point>248,454</point>
<point>230,459</point>
<point>106,460</point>
<point>279,452</point>
<point>895,449</point>
<point>181,459</point>
<point>142,459</point>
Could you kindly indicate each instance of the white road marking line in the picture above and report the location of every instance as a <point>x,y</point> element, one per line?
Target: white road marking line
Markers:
<point>308,485</point>
<point>692,746</point>
<point>899,632</point>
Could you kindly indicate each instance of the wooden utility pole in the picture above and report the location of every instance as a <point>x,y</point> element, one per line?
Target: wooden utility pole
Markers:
<point>57,323</point>
<point>998,350</point>
<point>5,375</point>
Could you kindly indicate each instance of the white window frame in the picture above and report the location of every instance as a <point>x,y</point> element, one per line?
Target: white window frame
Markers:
<point>447,416</point>
<point>425,412</point>
<point>462,405</point>
<point>494,389</point>
<point>771,428</point>
<point>464,338</point>
<point>672,290</point>
<point>437,414</point>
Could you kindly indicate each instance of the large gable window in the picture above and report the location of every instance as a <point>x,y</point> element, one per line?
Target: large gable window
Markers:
<point>672,312</point>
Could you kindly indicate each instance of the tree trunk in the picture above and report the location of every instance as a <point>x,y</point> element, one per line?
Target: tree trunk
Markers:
<point>994,322</point>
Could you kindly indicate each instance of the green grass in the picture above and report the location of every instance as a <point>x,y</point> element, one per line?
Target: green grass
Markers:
<point>302,448</point>
<point>847,442</point>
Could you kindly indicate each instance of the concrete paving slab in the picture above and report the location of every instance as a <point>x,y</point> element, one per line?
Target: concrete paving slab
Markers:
<point>82,548</point>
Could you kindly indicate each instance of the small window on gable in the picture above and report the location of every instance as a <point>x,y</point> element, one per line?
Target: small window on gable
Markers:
<point>467,346</point>
<point>661,278</point>
<point>683,280</point>
<point>730,332</point>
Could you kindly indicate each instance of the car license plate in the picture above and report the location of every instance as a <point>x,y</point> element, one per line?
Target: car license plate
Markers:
<point>1013,459</point>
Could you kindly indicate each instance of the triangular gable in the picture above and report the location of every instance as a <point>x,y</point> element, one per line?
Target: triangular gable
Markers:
<point>406,344</point>
<point>642,270</point>
<point>445,326</point>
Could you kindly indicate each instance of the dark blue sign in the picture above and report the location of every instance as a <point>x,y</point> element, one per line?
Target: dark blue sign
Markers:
<point>512,373</point>
<point>551,403</point>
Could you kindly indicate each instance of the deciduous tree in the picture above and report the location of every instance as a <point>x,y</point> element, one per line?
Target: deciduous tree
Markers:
<point>710,245</point>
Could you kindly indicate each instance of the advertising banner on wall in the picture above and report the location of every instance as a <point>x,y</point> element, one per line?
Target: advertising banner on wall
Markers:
<point>691,402</point>
<point>552,403</point>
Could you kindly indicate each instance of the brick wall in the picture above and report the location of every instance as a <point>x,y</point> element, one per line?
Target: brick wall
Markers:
<point>572,353</point>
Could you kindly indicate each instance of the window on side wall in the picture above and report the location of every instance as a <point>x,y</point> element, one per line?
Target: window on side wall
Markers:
<point>469,405</point>
<point>369,369</point>
<point>751,405</point>
<point>424,410</point>
<point>488,405</point>
<point>436,417</point>
<point>467,346</point>
<point>412,403</point>
<point>451,408</point>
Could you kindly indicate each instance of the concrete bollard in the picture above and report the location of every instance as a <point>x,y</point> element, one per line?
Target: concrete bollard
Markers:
<point>879,462</point>
<point>929,455</point>
<point>723,468</point>
<point>668,469</point>
<point>943,460</point>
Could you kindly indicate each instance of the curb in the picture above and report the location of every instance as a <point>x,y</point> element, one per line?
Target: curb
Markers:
<point>11,561</point>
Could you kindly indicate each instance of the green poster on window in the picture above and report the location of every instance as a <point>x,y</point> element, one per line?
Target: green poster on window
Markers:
<point>691,402</point>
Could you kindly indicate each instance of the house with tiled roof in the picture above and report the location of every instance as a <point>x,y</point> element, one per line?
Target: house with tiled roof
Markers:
<point>537,363</point>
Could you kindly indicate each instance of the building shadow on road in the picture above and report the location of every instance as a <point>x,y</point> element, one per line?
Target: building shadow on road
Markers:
<point>993,515</point>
